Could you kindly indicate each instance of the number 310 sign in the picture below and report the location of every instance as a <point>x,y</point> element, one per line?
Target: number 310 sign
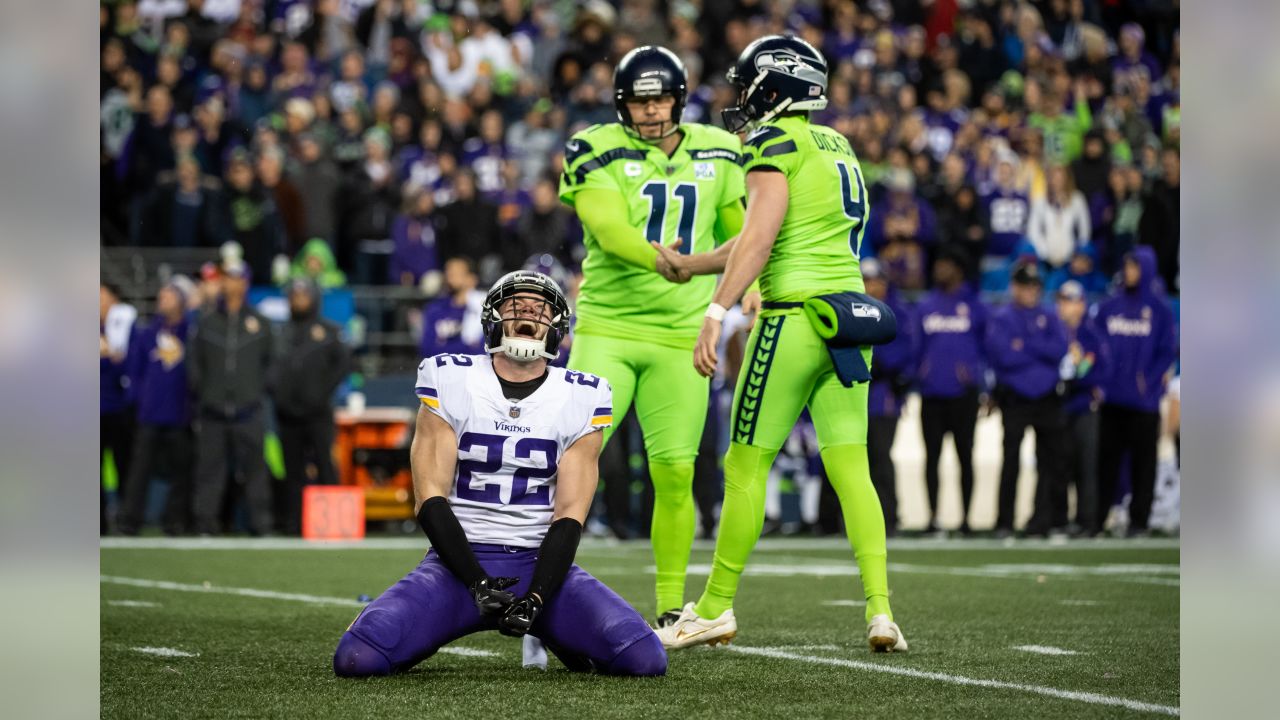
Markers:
<point>332,512</point>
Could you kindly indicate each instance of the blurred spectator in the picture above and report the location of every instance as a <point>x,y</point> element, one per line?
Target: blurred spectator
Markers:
<point>961,224</point>
<point>1138,327</point>
<point>470,226</point>
<point>351,90</point>
<point>1007,209</point>
<point>1083,372</point>
<point>952,324</point>
<point>218,135</point>
<point>901,229</point>
<point>311,362</point>
<point>367,201</point>
<point>533,142</point>
<point>255,221</point>
<point>486,153</point>
<point>380,22</point>
<point>253,97</point>
<point>1116,214</point>
<point>1063,133</point>
<point>1133,63</point>
<point>1082,270</point>
<point>315,263</point>
<point>230,361</point>
<point>451,322</point>
<point>185,209</point>
<point>548,227</point>
<point>288,201</point>
<point>1090,170</point>
<point>415,259</point>
<point>513,203</point>
<point>1059,224</point>
<point>115,412</point>
<point>317,181</point>
<point>1025,345</point>
<point>295,78</point>
<point>330,33</point>
<point>148,151</point>
<point>163,443</point>
<point>892,366</point>
<point>1160,226</point>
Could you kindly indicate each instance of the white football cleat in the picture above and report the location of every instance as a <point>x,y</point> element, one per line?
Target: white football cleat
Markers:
<point>883,635</point>
<point>690,629</point>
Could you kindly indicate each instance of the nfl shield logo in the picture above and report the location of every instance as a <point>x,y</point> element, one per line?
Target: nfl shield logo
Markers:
<point>704,171</point>
<point>514,412</point>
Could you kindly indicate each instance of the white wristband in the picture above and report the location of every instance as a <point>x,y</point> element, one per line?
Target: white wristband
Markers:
<point>716,312</point>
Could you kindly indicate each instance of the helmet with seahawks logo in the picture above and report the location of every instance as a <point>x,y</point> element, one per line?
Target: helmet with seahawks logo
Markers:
<point>649,71</point>
<point>775,74</point>
<point>525,347</point>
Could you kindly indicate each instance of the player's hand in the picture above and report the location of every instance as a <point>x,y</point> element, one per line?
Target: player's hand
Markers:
<point>491,595</point>
<point>519,617</point>
<point>670,263</point>
<point>704,353</point>
<point>751,303</point>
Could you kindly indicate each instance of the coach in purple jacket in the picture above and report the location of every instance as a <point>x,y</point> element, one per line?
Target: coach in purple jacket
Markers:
<point>951,323</point>
<point>892,366</point>
<point>163,443</point>
<point>1083,372</point>
<point>1137,324</point>
<point>1025,344</point>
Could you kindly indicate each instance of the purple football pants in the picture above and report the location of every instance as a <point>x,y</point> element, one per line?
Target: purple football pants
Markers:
<point>586,625</point>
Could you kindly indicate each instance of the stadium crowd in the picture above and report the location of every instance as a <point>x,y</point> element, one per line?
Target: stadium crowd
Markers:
<point>1022,160</point>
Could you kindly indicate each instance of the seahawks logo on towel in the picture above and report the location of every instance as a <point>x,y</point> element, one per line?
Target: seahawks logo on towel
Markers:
<point>863,310</point>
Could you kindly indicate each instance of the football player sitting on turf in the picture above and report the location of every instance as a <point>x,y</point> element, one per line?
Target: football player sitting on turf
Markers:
<point>504,470</point>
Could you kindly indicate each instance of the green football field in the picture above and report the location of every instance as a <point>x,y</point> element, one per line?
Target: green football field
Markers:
<point>1032,629</point>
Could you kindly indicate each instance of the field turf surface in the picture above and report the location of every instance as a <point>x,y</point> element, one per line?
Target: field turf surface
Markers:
<point>233,628</point>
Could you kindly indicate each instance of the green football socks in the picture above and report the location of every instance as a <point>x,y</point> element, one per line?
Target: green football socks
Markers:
<point>850,475</point>
<point>672,529</point>
<point>746,471</point>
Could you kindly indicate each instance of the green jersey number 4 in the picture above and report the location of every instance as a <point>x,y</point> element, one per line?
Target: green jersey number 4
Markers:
<point>687,194</point>
<point>855,207</point>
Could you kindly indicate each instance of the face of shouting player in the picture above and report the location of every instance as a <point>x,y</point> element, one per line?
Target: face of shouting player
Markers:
<point>651,116</point>
<point>526,316</point>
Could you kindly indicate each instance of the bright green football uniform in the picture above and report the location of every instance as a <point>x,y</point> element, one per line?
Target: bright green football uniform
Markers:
<point>635,328</point>
<point>786,365</point>
<point>667,198</point>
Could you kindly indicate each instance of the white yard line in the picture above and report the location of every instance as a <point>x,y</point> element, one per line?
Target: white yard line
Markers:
<point>164,652</point>
<point>1084,697</point>
<point>1044,650</point>
<point>468,652</point>
<point>606,546</point>
<point>217,589</point>
<point>1012,572</point>
<point>133,603</point>
<point>844,603</point>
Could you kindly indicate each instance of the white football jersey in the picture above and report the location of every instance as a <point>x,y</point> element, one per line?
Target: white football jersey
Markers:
<point>505,485</point>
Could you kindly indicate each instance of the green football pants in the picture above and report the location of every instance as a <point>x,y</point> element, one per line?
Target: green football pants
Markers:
<point>785,368</point>
<point>671,405</point>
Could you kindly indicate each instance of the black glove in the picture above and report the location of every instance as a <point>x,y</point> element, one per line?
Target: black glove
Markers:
<point>491,594</point>
<point>520,615</point>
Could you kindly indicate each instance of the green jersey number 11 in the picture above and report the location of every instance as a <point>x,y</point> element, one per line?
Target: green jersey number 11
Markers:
<point>687,194</point>
<point>855,208</point>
